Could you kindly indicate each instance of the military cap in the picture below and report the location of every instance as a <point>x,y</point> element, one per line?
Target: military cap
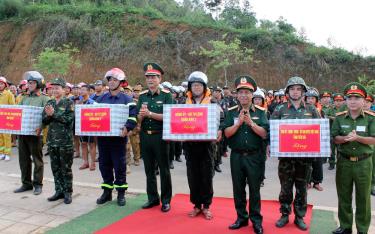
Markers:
<point>370,98</point>
<point>234,91</point>
<point>225,87</point>
<point>325,94</point>
<point>152,69</point>
<point>58,81</point>
<point>99,82</point>
<point>355,89</point>
<point>129,87</point>
<point>245,82</point>
<point>217,88</point>
<point>338,96</point>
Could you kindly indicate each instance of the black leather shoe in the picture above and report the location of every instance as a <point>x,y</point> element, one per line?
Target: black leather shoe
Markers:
<point>218,169</point>
<point>331,167</point>
<point>238,224</point>
<point>300,223</point>
<point>150,204</point>
<point>258,229</point>
<point>165,207</point>
<point>105,197</point>
<point>23,189</point>
<point>121,198</point>
<point>341,230</point>
<point>67,198</point>
<point>56,197</point>
<point>284,219</point>
<point>37,190</point>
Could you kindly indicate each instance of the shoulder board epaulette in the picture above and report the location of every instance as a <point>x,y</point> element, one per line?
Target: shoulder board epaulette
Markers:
<point>143,92</point>
<point>165,90</point>
<point>370,113</point>
<point>233,107</point>
<point>260,108</point>
<point>341,113</point>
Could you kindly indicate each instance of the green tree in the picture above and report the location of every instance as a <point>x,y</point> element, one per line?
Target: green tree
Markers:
<point>57,62</point>
<point>225,54</point>
<point>368,83</point>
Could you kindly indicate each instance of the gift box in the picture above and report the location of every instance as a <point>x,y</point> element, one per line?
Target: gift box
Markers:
<point>191,122</point>
<point>100,119</point>
<point>19,119</point>
<point>306,138</point>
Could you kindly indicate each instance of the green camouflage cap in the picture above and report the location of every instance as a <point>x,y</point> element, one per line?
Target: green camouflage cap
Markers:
<point>58,81</point>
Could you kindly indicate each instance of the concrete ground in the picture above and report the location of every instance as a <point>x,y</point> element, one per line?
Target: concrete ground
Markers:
<point>27,213</point>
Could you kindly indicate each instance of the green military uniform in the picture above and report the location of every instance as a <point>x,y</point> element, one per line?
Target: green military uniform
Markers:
<point>294,171</point>
<point>153,148</point>
<point>60,141</point>
<point>325,108</point>
<point>354,164</point>
<point>331,113</point>
<point>247,157</point>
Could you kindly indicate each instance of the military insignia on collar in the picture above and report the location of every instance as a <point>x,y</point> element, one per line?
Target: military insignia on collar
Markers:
<point>353,87</point>
<point>149,67</point>
<point>243,80</point>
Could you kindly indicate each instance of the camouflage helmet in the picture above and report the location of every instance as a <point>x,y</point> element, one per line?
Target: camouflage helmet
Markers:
<point>295,80</point>
<point>58,81</point>
<point>312,92</point>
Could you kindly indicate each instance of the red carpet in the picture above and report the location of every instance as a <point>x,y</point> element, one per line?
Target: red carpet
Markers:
<point>176,221</point>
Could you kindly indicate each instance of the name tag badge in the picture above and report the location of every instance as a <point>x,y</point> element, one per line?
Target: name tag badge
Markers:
<point>255,117</point>
<point>345,126</point>
<point>159,102</point>
<point>361,128</point>
<point>235,120</point>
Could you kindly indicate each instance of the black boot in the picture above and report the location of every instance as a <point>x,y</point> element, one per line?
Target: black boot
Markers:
<point>121,198</point>
<point>67,198</point>
<point>298,221</point>
<point>217,168</point>
<point>56,197</point>
<point>284,219</point>
<point>106,196</point>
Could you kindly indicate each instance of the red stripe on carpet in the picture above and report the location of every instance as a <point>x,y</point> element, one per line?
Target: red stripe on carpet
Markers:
<point>176,221</point>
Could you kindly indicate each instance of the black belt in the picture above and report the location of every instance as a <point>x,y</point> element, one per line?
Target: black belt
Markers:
<point>151,132</point>
<point>245,152</point>
<point>357,158</point>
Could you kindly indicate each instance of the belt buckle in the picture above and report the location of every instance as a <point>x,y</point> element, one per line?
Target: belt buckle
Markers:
<point>149,132</point>
<point>353,159</point>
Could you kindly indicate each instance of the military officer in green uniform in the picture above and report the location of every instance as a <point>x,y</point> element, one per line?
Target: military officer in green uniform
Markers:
<point>58,114</point>
<point>30,147</point>
<point>153,148</point>
<point>246,127</point>
<point>354,131</point>
<point>325,100</point>
<point>294,171</point>
<point>338,102</point>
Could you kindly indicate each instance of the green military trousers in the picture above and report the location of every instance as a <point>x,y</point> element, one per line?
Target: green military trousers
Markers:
<point>61,165</point>
<point>358,174</point>
<point>247,169</point>
<point>154,150</point>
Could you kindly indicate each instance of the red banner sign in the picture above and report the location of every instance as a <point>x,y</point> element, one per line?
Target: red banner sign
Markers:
<point>299,138</point>
<point>189,120</point>
<point>11,119</point>
<point>96,120</point>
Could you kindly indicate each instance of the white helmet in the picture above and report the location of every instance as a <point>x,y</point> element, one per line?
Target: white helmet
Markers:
<point>184,84</point>
<point>115,73</point>
<point>182,89</point>
<point>175,89</point>
<point>259,93</point>
<point>198,76</point>
<point>4,80</point>
<point>166,85</point>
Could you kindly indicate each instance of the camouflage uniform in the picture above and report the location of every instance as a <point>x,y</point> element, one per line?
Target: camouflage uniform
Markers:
<point>294,171</point>
<point>60,143</point>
